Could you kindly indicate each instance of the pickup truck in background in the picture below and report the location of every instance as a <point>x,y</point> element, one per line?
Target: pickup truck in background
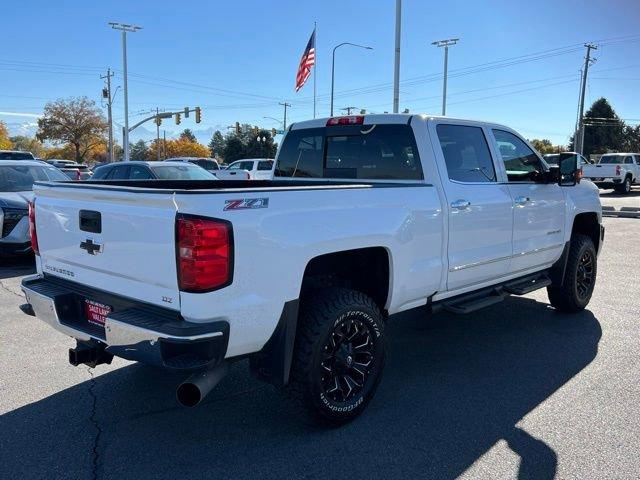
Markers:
<point>212,166</point>
<point>367,216</point>
<point>615,170</point>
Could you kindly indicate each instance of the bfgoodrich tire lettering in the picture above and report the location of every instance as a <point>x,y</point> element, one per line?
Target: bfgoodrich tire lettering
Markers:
<point>580,277</point>
<point>338,355</point>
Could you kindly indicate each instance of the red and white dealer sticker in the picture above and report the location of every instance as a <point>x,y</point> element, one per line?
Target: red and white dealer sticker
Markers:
<point>96,312</point>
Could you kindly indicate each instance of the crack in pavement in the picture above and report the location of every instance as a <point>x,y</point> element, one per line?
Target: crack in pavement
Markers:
<point>4,287</point>
<point>95,457</point>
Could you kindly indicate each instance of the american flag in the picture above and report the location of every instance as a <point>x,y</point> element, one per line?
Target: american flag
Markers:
<point>307,61</point>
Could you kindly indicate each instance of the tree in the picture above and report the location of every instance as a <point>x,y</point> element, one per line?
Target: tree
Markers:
<point>5,143</point>
<point>604,131</point>
<point>631,138</point>
<point>188,135</point>
<point>139,151</point>
<point>28,144</point>
<point>177,148</point>
<point>545,146</point>
<point>260,145</point>
<point>217,144</point>
<point>75,121</point>
<point>233,149</point>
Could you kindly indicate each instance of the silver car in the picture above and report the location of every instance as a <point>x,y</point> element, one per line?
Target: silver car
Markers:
<point>16,191</point>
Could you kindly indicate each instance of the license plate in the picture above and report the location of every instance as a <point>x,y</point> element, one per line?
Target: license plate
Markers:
<point>96,313</point>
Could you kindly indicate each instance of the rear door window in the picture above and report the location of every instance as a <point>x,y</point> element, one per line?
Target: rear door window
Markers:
<point>466,153</point>
<point>121,172</point>
<point>138,172</point>
<point>265,165</point>
<point>375,152</point>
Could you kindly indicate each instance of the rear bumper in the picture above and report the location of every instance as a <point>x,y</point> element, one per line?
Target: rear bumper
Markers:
<point>606,183</point>
<point>133,330</point>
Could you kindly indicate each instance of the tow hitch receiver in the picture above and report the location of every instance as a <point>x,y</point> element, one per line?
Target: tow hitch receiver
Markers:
<point>91,354</point>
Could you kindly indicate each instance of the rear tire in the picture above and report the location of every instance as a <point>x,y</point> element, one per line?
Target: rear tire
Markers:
<point>625,187</point>
<point>338,355</point>
<point>579,278</point>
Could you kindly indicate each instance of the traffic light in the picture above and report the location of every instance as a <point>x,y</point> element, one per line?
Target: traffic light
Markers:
<point>177,119</point>
<point>186,112</point>
<point>158,120</point>
<point>273,132</point>
<point>198,115</point>
<point>255,130</point>
<point>237,128</point>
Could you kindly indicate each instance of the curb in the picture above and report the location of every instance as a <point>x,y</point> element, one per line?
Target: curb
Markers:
<point>624,212</point>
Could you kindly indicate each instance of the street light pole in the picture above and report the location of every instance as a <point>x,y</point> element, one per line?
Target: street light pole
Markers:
<point>124,28</point>
<point>446,44</point>
<point>333,65</point>
<point>396,60</point>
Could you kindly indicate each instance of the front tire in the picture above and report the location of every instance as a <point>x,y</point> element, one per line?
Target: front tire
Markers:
<point>338,355</point>
<point>579,279</point>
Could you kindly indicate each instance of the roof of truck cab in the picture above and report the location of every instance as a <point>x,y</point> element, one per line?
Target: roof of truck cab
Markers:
<point>392,118</point>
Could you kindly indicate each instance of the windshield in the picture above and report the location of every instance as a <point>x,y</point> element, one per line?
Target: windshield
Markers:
<point>611,159</point>
<point>16,156</point>
<point>182,172</point>
<point>18,178</point>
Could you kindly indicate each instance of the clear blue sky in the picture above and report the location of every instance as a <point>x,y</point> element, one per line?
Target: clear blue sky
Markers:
<point>238,59</point>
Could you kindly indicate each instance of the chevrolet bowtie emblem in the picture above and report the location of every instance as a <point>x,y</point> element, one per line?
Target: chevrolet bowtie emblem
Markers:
<point>90,247</point>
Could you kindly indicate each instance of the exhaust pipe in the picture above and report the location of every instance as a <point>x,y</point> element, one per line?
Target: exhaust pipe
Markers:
<point>191,392</point>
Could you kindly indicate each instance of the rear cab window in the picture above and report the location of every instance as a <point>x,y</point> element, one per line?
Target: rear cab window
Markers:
<point>373,152</point>
<point>265,165</point>
<point>611,159</point>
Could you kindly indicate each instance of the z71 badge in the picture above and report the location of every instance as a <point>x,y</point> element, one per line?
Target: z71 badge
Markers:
<point>246,203</point>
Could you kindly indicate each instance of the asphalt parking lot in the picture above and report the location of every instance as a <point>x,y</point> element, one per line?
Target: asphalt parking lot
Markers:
<point>514,391</point>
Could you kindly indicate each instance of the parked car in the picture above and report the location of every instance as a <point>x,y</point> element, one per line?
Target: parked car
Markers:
<point>15,155</point>
<point>139,170</point>
<point>16,184</point>
<point>615,170</point>
<point>367,216</point>
<point>74,171</point>
<point>258,168</point>
<point>553,158</point>
<point>212,166</point>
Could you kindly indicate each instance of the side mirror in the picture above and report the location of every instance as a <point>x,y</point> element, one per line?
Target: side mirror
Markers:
<point>569,171</point>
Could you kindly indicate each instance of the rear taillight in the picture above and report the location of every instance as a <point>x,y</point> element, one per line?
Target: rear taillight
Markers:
<point>32,227</point>
<point>349,120</point>
<point>204,251</point>
<point>618,169</point>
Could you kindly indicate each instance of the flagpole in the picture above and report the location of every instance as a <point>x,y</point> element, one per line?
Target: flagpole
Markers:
<point>315,66</point>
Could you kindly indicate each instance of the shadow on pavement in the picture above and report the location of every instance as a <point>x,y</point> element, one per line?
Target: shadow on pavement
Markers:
<point>635,192</point>
<point>16,266</point>
<point>453,387</point>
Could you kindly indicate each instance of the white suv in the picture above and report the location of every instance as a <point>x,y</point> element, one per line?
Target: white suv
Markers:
<point>258,168</point>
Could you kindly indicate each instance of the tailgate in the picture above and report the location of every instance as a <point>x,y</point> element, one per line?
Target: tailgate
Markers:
<point>599,171</point>
<point>119,241</point>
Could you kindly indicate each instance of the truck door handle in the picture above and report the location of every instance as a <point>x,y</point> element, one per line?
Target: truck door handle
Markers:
<point>522,200</point>
<point>460,204</point>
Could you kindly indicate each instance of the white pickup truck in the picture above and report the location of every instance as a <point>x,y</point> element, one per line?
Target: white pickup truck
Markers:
<point>615,170</point>
<point>368,216</point>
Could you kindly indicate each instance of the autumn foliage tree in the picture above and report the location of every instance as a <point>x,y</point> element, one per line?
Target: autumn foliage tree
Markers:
<point>76,122</point>
<point>5,143</point>
<point>177,148</point>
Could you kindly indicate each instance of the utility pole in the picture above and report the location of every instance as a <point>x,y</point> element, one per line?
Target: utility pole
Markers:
<point>109,115</point>
<point>125,28</point>
<point>285,105</point>
<point>157,134</point>
<point>164,145</point>
<point>396,65</point>
<point>446,44</point>
<point>578,138</point>
<point>348,109</point>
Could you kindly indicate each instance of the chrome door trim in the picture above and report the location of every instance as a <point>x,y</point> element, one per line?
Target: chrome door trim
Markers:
<point>509,257</point>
